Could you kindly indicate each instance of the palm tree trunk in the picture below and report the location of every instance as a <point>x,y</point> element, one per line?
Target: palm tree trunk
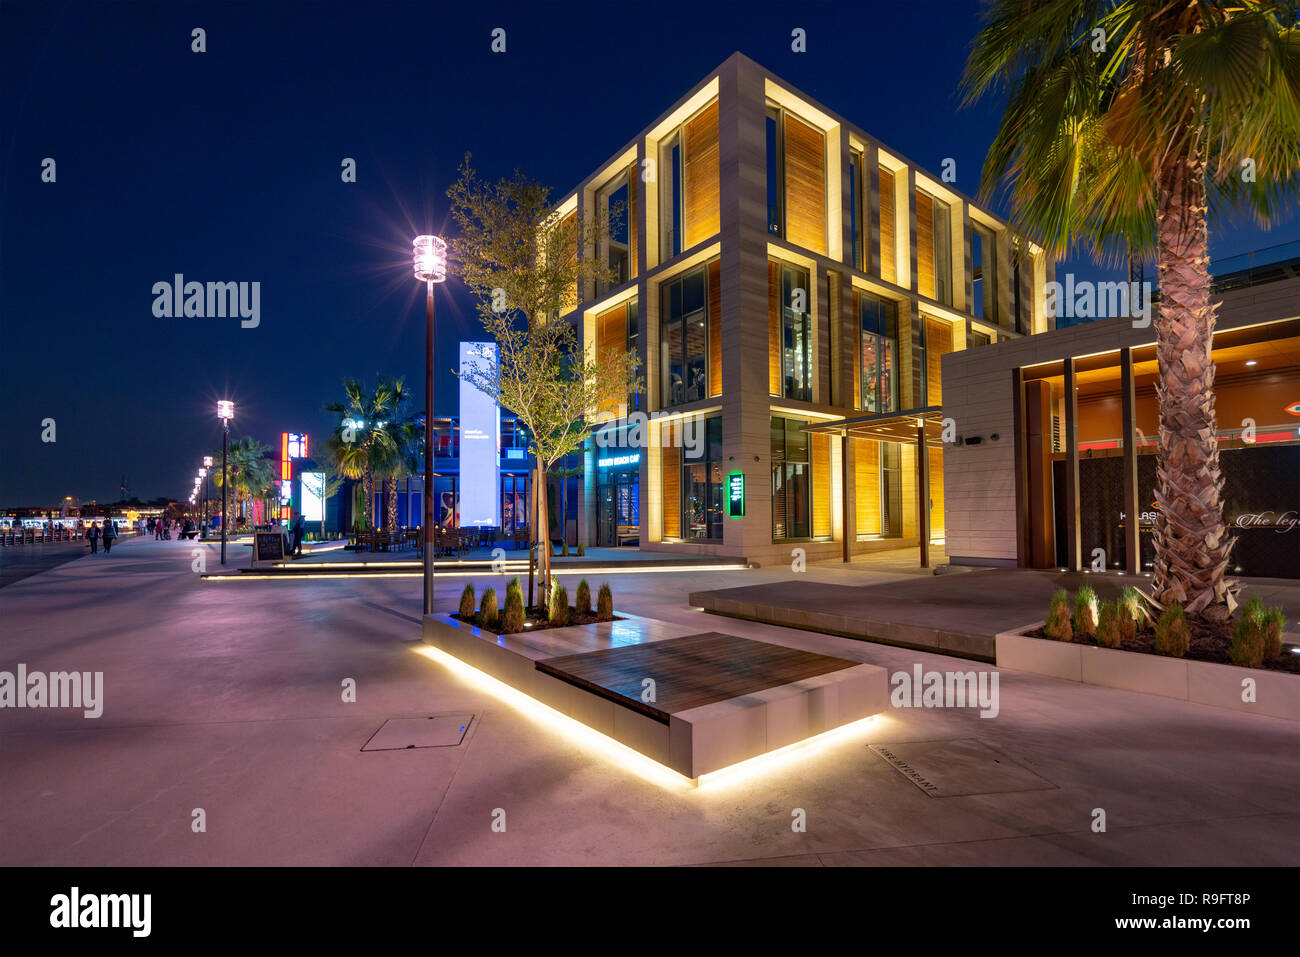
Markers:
<point>391,523</point>
<point>1192,544</point>
<point>368,483</point>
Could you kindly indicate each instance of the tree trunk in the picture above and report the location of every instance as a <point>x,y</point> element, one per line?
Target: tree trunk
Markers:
<point>391,524</point>
<point>532,534</point>
<point>1192,545</point>
<point>544,531</point>
<point>368,483</point>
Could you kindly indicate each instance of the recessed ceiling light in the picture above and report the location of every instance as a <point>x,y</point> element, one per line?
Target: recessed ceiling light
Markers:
<point>1250,362</point>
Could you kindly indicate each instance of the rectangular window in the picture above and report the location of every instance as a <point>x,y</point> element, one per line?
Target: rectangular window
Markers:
<point>616,203</point>
<point>701,502</point>
<point>857,246</point>
<point>878,347</point>
<point>684,329</point>
<point>669,178</point>
<point>775,173</point>
<point>933,249</point>
<point>687,178</point>
<point>616,332</point>
<point>983,259</point>
<point>791,472</point>
<point>888,250</point>
<point>793,312</point>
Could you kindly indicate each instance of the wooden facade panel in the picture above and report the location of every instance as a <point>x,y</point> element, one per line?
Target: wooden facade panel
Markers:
<point>611,336</point>
<point>936,493</point>
<point>805,185</point>
<point>672,491</point>
<point>866,482</point>
<point>633,222</point>
<point>924,244</point>
<point>888,251</point>
<point>821,485</point>
<point>938,342</point>
<point>700,190</point>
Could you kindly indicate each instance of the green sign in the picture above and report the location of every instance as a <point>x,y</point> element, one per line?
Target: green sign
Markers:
<point>736,494</point>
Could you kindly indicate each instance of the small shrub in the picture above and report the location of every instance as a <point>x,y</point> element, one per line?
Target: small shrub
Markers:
<point>1172,634</point>
<point>1108,625</point>
<point>564,549</point>
<point>1274,622</point>
<point>582,549</point>
<point>605,603</point>
<point>582,599</point>
<point>513,616</point>
<point>487,612</point>
<point>559,605</point>
<point>467,603</point>
<point>1085,611</point>
<point>1132,612</point>
<point>1058,617</point>
<point>1249,645</point>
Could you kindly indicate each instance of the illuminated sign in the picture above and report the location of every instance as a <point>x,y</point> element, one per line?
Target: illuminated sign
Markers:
<point>614,460</point>
<point>480,441</point>
<point>293,445</point>
<point>736,494</point>
<point>313,496</point>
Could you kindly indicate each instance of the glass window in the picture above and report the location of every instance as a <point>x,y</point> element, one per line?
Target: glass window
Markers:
<point>612,202</point>
<point>796,334</point>
<point>633,340</point>
<point>942,253</point>
<point>774,177</point>
<point>791,475</point>
<point>878,331</point>
<point>684,338</point>
<point>983,258</point>
<point>858,247</point>
<point>702,505</point>
<point>669,177</point>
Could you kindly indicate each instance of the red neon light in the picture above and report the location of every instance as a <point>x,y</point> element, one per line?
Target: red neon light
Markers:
<point>1084,446</point>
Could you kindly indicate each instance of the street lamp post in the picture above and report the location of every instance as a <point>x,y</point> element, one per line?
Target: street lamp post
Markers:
<point>207,465</point>
<point>225,412</point>
<point>430,257</point>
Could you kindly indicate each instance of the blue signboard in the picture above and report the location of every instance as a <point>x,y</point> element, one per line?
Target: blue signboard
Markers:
<point>480,442</point>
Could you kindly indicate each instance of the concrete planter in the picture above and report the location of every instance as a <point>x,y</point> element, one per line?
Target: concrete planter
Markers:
<point>1219,686</point>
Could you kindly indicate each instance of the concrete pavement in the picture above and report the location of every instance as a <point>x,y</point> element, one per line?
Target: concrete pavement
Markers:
<point>227,697</point>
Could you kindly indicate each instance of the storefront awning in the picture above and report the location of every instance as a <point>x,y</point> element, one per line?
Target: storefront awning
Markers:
<point>888,426</point>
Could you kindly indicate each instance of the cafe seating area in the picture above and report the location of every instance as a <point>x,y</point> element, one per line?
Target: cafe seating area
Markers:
<point>450,541</point>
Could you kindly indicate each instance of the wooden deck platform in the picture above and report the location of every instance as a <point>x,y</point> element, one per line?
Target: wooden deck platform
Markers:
<point>719,699</point>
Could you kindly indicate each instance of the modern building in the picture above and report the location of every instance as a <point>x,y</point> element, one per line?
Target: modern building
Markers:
<point>779,269</point>
<point>1057,437</point>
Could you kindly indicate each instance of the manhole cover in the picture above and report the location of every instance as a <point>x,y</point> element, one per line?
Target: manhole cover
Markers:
<point>964,766</point>
<point>434,731</point>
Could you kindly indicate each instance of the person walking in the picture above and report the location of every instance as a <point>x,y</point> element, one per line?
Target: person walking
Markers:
<point>92,536</point>
<point>299,530</point>
<point>110,533</point>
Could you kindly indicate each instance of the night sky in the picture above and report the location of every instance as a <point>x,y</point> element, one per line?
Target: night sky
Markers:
<point>225,166</point>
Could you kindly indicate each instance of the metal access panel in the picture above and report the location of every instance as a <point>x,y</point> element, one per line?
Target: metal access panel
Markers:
<point>428,731</point>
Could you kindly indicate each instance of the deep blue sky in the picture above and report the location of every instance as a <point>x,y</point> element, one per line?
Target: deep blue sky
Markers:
<point>224,166</point>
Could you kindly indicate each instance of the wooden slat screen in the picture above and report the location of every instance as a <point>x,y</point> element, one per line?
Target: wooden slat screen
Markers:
<point>715,328</point>
<point>821,485</point>
<point>907,484</point>
<point>773,328</point>
<point>633,208</point>
<point>611,335</point>
<point>672,478</point>
<point>888,251</point>
<point>701,174</point>
<point>866,480</point>
<point>938,340</point>
<point>936,493</point>
<point>924,244</point>
<point>805,185</point>
<point>569,231</point>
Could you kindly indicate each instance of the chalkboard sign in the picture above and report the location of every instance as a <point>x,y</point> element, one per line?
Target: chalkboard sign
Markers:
<point>268,547</point>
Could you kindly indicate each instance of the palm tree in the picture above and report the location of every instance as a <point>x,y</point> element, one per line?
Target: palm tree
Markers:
<point>1125,120</point>
<point>251,471</point>
<point>371,438</point>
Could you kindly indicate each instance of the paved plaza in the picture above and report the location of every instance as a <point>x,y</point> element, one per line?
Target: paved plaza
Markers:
<point>227,697</point>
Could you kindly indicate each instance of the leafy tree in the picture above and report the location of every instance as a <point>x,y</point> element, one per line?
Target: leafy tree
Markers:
<point>519,257</point>
<point>251,471</point>
<point>1125,121</point>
